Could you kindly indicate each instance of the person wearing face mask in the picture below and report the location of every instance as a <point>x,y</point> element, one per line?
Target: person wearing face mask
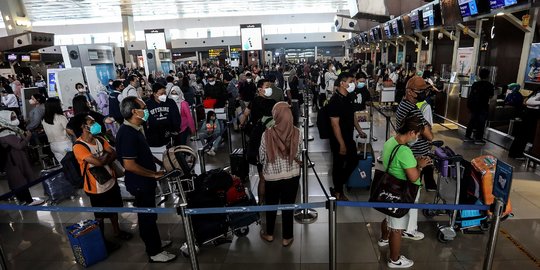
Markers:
<point>478,103</point>
<point>415,93</point>
<point>247,89</point>
<point>329,79</point>
<point>187,126</point>
<point>9,100</point>
<point>399,161</point>
<point>211,131</point>
<point>141,176</point>
<point>216,90</point>
<point>81,107</point>
<point>164,118</point>
<point>82,91</point>
<point>14,144</point>
<point>362,95</point>
<point>93,152</point>
<point>261,106</point>
<point>341,111</point>
<point>37,113</point>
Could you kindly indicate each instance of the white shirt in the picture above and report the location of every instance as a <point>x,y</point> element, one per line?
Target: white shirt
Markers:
<point>533,102</point>
<point>57,131</point>
<point>129,91</point>
<point>10,101</point>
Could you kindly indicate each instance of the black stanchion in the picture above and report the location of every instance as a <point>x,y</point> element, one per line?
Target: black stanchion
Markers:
<point>202,160</point>
<point>305,216</point>
<point>229,127</point>
<point>190,239</point>
<point>332,233</point>
<point>196,122</point>
<point>493,233</point>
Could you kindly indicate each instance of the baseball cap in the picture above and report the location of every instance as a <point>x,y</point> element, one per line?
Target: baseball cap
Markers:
<point>416,83</point>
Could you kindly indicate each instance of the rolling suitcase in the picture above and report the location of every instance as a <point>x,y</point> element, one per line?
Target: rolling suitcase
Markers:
<point>239,162</point>
<point>57,187</point>
<point>361,176</point>
<point>87,242</point>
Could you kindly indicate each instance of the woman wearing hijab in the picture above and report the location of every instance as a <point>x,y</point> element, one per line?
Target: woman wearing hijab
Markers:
<point>14,143</point>
<point>280,156</point>
<point>188,125</point>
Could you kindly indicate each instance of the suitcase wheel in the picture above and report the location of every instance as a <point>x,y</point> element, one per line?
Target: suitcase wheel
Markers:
<point>242,231</point>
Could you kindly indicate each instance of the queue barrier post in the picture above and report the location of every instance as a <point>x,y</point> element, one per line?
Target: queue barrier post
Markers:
<point>493,233</point>
<point>202,160</point>
<point>305,216</point>
<point>195,121</point>
<point>229,127</point>
<point>332,233</point>
<point>190,240</point>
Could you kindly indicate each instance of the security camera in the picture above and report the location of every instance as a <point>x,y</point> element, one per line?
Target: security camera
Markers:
<point>440,36</point>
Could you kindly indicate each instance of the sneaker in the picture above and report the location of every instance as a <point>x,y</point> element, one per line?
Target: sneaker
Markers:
<point>165,243</point>
<point>36,202</point>
<point>468,139</point>
<point>479,142</point>
<point>401,263</point>
<point>382,242</point>
<point>416,235</point>
<point>162,257</point>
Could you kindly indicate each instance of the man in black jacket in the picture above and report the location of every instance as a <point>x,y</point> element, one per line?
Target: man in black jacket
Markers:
<point>216,89</point>
<point>478,104</point>
<point>164,118</point>
<point>114,102</point>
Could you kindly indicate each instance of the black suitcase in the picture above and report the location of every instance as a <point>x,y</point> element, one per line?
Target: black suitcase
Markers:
<point>239,164</point>
<point>57,187</point>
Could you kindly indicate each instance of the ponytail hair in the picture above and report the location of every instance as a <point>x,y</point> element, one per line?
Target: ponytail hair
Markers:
<point>410,123</point>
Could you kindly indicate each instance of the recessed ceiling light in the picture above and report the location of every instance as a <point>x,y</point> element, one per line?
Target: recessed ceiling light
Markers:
<point>500,13</point>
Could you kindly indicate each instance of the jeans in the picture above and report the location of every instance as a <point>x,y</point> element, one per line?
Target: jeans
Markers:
<point>477,124</point>
<point>281,192</point>
<point>148,229</point>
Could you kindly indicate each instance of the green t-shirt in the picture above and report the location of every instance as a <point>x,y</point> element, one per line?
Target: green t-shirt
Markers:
<point>404,159</point>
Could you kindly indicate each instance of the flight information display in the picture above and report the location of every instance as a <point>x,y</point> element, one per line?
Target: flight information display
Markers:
<point>387,31</point>
<point>397,27</point>
<point>415,16</point>
<point>468,7</point>
<point>495,4</point>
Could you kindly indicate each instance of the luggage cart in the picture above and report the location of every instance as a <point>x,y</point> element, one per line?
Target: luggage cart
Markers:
<point>449,169</point>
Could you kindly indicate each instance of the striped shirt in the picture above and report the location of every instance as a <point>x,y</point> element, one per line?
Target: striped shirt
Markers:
<point>404,110</point>
<point>281,168</point>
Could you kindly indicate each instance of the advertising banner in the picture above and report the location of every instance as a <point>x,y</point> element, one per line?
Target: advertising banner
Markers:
<point>464,60</point>
<point>532,72</point>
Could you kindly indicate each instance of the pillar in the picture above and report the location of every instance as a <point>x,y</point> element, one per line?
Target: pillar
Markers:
<point>128,33</point>
<point>476,46</point>
<point>457,38</point>
<point>430,48</point>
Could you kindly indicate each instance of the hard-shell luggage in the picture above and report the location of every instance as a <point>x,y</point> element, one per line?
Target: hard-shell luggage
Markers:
<point>483,173</point>
<point>57,187</point>
<point>361,176</point>
<point>87,242</point>
<point>239,164</point>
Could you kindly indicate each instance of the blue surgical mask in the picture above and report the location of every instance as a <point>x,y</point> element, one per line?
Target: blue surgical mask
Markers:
<point>146,115</point>
<point>361,84</point>
<point>411,143</point>
<point>95,129</point>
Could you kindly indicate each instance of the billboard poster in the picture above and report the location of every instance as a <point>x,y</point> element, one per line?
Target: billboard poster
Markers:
<point>502,182</point>
<point>251,37</point>
<point>464,60</point>
<point>532,71</point>
<point>53,92</point>
<point>399,57</point>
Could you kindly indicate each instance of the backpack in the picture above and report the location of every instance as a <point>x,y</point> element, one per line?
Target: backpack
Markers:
<point>323,82</point>
<point>255,141</point>
<point>323,123</point>
<point>71,167</point>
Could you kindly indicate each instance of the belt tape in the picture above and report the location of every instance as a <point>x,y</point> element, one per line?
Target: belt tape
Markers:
<point>35,182</point>
<point>248,209</point>
<point>414,205</point>
<point>14,207</point>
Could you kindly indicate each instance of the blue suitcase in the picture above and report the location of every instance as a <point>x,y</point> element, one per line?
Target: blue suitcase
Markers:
<point>361,176</point>
<point>87,242</point>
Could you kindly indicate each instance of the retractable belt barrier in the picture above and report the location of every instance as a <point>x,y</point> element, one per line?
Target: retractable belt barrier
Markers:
<point>35,182</point>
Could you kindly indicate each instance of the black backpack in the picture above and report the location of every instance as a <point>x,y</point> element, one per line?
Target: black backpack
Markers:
<point>255,141</point>
<point>71,167</point>
<point>323,123</point>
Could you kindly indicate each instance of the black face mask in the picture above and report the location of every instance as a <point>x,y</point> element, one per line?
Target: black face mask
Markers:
<point>420,96</point>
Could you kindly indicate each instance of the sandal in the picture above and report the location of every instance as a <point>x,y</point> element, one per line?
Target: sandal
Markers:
<point>265,237</point>
<point>122,235</point>
<point>287,242</point>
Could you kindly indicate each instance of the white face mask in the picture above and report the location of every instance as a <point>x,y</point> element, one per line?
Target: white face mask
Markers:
<point>351,87</point>
<point>162,98</point>
<point>176,98</point>
<point>81,90</point>
<point>32,102</point>
<point>212,82</point>
<point>333,69</point>
<point>411,143</point>
<point>268,92</point>
<point>248,80</point>
<point>15,122</point>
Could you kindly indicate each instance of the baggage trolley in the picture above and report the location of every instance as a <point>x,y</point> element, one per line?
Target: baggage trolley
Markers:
<point>450,169</point>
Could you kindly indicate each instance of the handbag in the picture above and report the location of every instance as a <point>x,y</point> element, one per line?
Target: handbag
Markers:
<point>117,168</point>
<point>101,174</point>
<point>388,189</point>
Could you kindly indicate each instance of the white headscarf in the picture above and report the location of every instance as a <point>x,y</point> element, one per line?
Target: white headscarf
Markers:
<point>5,125</point>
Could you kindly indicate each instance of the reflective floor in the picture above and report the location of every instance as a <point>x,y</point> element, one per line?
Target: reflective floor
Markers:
<point>36,240</point>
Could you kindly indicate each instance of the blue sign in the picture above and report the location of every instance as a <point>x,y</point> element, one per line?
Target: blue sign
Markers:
<point>502,181</point>
<point>53,92</point>
<point>495,4</point>
<point>105,72</point>
<point>468,7</point>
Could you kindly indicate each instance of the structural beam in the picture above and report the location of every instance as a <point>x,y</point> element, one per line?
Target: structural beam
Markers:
<point>470,32</point>
<point>456,39</point>
<point>15,17</point>
<point>518,23</point>
<point>476,46</point>
<point>525,50</point>
<point>430,48</point>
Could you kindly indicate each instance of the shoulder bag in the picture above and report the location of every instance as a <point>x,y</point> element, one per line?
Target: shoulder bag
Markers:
<point>388,189</point>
